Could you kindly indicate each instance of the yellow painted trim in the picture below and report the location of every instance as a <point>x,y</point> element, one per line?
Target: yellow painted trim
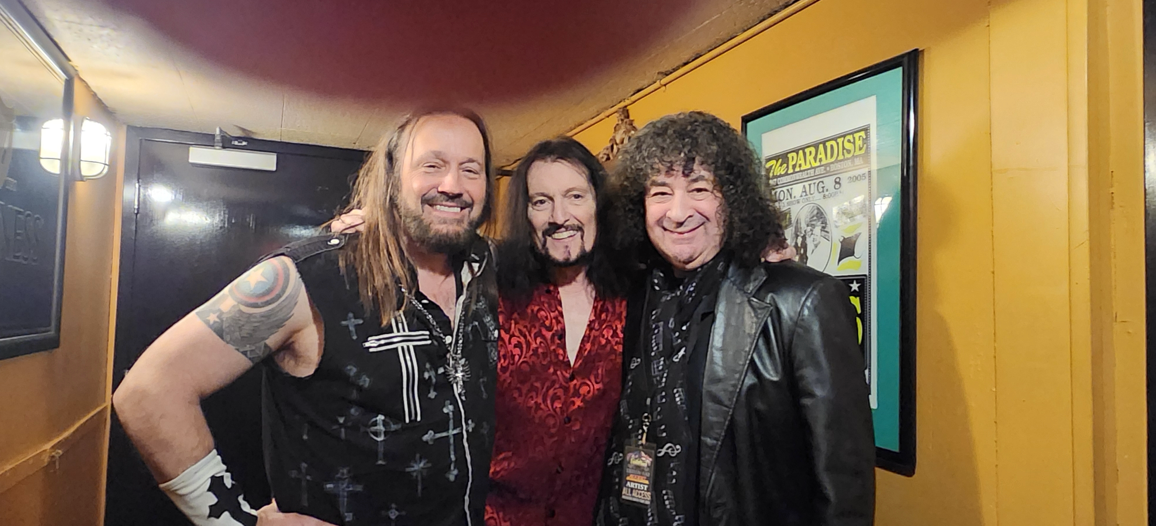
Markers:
<point>1079,256</point>
<point>52,452</point>
<point>1127,468</point>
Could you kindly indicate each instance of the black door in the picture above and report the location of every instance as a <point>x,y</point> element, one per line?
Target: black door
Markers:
<point>187,232</point>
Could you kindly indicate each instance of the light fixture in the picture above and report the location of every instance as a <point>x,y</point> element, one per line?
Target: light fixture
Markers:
<point>95,145</point>
<point>52,145</point>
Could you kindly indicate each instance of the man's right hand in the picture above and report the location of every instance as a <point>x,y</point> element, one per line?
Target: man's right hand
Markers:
<point>349,222</point>
<point>271,516</point>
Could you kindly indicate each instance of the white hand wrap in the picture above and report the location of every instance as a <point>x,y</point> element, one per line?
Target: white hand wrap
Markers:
<point>208,496</point>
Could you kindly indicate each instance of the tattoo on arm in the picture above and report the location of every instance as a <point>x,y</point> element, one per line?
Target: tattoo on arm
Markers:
<point>253,308</point>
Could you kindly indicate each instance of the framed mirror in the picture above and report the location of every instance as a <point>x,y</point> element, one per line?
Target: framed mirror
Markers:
<point>35,138</point>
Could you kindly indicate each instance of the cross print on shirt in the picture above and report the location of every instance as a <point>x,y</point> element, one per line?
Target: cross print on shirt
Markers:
<point>433,378</point>
<point>305,477</point>
<point>378,432</point>
<point>343,423</point>
<point>430,437</point>
<point>352,323</point>
<point>393,513</point>
<point>342,487</point>
<point>359,381</point>
<point>417,470</point>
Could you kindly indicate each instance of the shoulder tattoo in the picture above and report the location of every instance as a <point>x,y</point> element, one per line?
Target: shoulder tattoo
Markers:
<point>253,308</point>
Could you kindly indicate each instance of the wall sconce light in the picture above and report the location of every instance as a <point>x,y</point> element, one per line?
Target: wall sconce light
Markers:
<point>95,145</point>
<point>51,145</point>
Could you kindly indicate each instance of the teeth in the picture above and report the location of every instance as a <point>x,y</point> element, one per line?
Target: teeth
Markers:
<point>451,209</point>
<point>564,235</point>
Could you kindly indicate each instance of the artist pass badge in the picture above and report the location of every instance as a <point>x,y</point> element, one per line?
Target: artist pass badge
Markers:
<point>638,466</point>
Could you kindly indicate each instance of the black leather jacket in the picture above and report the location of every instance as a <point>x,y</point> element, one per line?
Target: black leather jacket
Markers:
<point>786,436</point>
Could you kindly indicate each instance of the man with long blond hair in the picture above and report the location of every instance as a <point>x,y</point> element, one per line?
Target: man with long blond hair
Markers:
<point>379,353</point>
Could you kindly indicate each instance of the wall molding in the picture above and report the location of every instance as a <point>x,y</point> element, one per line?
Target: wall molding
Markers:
<point>55,450</point>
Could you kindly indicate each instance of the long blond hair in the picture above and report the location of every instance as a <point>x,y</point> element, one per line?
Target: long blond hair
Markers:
<point>378,255</point>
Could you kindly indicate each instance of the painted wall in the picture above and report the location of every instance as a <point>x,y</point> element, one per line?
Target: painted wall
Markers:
<point>55,409</point>
<point>1030,250</point>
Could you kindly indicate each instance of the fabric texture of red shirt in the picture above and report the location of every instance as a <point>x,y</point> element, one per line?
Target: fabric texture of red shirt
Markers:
<point>553,419</point>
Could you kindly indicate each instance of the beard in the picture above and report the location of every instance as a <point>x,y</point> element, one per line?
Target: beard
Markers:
<point>421,231</point>
<point>572,260</point>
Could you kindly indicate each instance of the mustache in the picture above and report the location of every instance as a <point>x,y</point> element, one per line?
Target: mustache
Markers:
<point>689,224</point>
<point>554,228</point>
<point>443,199</point>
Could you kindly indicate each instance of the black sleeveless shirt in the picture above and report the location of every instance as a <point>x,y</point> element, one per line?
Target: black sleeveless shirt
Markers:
<point>396,425</point>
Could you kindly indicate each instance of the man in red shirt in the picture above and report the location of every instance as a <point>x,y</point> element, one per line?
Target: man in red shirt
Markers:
<point>561,311</point>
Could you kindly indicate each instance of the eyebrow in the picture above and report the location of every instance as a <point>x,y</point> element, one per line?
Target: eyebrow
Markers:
<point>440,155</point>
<point>698,177</point>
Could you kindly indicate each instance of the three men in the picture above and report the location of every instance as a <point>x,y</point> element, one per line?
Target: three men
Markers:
<point>378,395</point>
<point>744,389</point>
<point>744,400</point>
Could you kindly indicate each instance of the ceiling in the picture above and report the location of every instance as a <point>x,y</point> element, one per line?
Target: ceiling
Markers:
<point>340,72</point>
<point>38,91</point>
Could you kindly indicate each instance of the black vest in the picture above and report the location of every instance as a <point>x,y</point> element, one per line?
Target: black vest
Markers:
<point>380,433</point>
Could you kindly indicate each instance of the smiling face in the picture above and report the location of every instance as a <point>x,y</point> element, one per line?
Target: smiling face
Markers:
<point>562,211</point>
<point>443,184</point>
<point>684,217</point>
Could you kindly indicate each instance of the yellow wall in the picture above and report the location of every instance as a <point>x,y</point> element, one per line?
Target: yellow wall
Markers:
<point>1031,401</point>
<point>55,410</point>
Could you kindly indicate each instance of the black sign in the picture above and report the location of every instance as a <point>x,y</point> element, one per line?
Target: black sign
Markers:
<point>31,245</point>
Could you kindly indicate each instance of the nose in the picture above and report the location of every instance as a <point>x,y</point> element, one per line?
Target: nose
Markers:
<point>559,214</point>
<point>680,209</point>
<point>451,183</point>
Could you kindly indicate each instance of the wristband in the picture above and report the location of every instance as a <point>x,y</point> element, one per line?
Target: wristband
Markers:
<point>207,494</point>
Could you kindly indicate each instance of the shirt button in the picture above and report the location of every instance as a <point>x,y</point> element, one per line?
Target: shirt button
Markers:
<point>571,377</point>
<point>566,420</point>
<point>449,340</point>
<point>550,514</point>
<point>559,470</point>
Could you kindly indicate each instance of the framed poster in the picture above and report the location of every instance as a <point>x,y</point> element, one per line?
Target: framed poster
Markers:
<point>841,162</point>
<point>35,122</point>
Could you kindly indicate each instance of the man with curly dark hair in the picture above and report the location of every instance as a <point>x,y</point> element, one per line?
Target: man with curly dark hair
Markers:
<point>744,400</point>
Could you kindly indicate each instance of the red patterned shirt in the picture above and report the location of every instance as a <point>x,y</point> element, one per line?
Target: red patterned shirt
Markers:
<point>553,419</point>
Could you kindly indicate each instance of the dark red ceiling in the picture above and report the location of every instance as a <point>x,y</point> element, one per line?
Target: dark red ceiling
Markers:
<point>414,51</point>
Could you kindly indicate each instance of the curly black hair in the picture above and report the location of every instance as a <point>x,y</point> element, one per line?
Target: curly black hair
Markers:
<point>522,266</point>
<point>676,143</point>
